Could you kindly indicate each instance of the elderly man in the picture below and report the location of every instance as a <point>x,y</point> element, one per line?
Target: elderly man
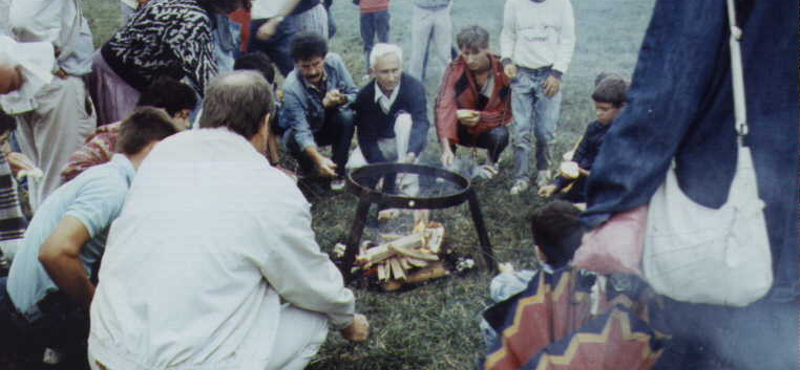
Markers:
<point>391,111</point>
<point>55,120</point>
<point>52,279</point>
<point>316,107</point>
<point>474,102</point>
<point>227,275</point>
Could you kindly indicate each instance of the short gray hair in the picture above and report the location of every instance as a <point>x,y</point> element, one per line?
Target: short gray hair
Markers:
<point>238,100</point>
<point>381,50</point>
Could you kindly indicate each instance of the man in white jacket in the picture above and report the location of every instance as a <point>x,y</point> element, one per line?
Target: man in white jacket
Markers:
<point>536,45</point>
<point>212,263</point>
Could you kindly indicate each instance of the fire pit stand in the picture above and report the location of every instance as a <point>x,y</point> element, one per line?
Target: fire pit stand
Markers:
<point>361,183</point>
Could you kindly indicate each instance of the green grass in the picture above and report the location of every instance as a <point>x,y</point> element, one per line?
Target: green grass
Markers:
<point>436,326</point>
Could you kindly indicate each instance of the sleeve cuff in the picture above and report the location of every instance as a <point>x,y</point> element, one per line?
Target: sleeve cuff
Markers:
<point>556,73</point>
<point>340,321</point>
<point>506,61</point>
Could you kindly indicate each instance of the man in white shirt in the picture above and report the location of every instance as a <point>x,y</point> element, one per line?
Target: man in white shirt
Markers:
<point>536,46</point>
<point>54,122</point>
<point>211,242</point>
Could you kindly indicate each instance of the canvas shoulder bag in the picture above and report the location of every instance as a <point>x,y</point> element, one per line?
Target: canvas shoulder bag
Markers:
<point>713,256</point>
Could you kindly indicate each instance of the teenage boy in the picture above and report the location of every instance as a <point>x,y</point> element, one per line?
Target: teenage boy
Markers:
<point>610,97</point>
<point>316,108</point>
<point>536,44</point>
<point>473,107</point>
<point>45,300</point>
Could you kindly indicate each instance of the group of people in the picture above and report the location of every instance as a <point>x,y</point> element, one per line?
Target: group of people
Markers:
<point>165,236</point>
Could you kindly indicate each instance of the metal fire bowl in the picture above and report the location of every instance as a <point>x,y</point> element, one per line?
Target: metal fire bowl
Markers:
<point>357,180</point>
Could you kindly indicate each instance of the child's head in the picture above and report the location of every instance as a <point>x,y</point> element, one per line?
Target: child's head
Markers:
<point>258,62</point>
<point>557,232</point>
<point>610,96</point>
<point>171,95</point>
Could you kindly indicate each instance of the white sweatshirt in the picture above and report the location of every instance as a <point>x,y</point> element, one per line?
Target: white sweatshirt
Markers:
<point>538,34</point>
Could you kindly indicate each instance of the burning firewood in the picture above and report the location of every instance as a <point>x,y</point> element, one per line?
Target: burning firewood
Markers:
<point>404,257</point>
<point>433,271</point>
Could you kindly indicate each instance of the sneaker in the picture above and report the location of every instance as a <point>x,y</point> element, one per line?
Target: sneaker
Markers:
<point>337,184</point>
<point>519,187</point>
<point>487,171</point>
<point>543,178</point>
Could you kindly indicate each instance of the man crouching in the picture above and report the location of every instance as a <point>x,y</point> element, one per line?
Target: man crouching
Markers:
<point>53,276</point>
<point>214,264</point>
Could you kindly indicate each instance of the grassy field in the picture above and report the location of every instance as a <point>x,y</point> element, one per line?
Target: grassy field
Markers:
<point>436,326</point>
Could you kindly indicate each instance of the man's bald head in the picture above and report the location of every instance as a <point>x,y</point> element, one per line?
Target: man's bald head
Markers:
<point>238,100</point>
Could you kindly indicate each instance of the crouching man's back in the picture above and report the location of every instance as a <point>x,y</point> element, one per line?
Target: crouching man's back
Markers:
<point>194,276</point>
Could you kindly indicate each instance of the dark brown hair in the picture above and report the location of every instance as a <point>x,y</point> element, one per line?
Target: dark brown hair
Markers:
<point>611,90</point>
<point>145,125</point>
<point>557,231</point>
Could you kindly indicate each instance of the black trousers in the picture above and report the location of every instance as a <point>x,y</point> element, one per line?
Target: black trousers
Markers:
<point>494,141</point>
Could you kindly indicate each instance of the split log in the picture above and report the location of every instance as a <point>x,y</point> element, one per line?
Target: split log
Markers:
<point>415,262</point>
<point>434,271</point>
<point>434,236</point>
<point>397,270</point>
<point>414,253</point>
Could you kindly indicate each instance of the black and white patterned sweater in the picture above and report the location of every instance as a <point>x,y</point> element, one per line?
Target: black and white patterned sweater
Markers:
<point>166,37</point>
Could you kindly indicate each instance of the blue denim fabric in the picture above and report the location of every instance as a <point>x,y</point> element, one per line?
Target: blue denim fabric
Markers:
<point>277,46</point>
<point>681,106</point>
<point>374,25</point>
<point>226,40</point>
<point>534,115</point>
<point>302,109</point>
<point>337,131</point>
<point>314,19</point>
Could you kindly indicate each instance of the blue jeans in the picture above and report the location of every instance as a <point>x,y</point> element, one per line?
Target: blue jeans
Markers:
<point>374,25</point>
<point>337,131</point>
<point>277,46</point>
<point>534,115</point>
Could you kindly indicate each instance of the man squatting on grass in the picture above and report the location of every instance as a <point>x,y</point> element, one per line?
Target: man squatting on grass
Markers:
<point>226,274</point>
<point>391,112</point>
<point>473,107</point>
<point>609,99</point>
<point>316,108</point>
<point>536,44</point>
<point>45,300</point>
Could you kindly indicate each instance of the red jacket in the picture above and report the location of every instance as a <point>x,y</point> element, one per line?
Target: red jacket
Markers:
<point>459,91</point>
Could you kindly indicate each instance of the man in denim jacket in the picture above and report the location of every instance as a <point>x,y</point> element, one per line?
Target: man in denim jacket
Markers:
<point>316,107</point>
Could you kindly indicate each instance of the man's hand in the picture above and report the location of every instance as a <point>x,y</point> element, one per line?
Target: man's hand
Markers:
<point>409,158</point>
<point>333,98</point>
<point>358,331</point>
<point>551,86</point>
<point>447,156</point>
<point>326,167</point>
<point>510,70</point>
<point>547,191</point>
<point>269,28</point>
<point>19,162</point>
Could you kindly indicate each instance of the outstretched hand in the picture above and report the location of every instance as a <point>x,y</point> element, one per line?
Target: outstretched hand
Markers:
<point>358,330</point>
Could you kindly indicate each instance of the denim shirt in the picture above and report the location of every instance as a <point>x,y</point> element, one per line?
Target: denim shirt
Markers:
<point>302,109</point>
<point>681,107</point>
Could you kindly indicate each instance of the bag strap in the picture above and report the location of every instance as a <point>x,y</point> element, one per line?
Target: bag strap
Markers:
<point>740,109</point>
